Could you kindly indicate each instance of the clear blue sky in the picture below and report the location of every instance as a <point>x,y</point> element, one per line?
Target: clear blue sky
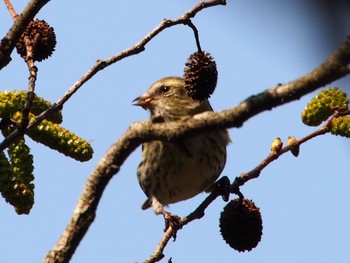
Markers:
<point>257,44</point>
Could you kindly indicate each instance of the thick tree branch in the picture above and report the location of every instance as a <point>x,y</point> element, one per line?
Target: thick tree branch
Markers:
<point>334,68</point>
<point>8,43</point>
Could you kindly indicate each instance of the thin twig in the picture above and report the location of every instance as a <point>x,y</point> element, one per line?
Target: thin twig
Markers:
<point>221,189</point>
<point>196,34</point>
<point>274,155</point>
<point>11,10</point>
<point>33,70</point>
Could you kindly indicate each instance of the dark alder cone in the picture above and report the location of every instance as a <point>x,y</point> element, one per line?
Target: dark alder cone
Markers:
<point>41,36</point>
<point>241,225</point>
<point>200,75</point>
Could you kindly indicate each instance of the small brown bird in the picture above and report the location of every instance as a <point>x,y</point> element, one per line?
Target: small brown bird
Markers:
<point>170,172</point>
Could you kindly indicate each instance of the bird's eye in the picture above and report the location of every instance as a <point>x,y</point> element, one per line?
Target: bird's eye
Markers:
<point>164,89</point>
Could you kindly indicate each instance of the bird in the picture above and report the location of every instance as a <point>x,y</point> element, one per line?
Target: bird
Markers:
<point>174,171</point>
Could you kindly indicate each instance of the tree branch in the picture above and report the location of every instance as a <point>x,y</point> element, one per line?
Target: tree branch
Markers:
<point>334,68</point>
<point>221,189</point>
<point>33,71</point>
<point>274,155</point>
<point>11,9</point>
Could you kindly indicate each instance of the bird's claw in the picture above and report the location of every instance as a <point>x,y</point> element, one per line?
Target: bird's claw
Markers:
<point>172,221</point>
<point>223,187</point>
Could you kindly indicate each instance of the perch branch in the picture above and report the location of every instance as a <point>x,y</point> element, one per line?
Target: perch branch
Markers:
<point>334,68</point>
<point>221,189</point>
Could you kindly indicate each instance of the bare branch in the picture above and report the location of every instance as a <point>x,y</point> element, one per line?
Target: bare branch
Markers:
<point>334,68</point>
<point>33,70</point>
<point>221,189</point>
<point>11,9</point>
<point>255,173</point>
<point>196,35</point>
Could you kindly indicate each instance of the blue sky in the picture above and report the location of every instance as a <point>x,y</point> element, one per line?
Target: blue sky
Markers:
<point>304,201</point>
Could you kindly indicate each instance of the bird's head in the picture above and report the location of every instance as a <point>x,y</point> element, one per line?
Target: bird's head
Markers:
<point>167,99</point>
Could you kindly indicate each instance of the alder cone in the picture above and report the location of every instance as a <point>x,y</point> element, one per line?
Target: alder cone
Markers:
<point>42,37</point>
<point>200,75</point>
<point>241,225</point>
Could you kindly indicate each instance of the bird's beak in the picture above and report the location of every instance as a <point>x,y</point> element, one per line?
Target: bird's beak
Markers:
<point>143,101</point>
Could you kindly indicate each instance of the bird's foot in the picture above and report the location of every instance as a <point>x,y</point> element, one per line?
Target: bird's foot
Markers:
<point>172,221</point>
<point>222,186</point>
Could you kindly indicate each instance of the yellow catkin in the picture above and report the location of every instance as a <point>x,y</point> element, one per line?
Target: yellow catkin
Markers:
<point>321,107</point>
<point>13,101</point>
<point>60,139</point>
